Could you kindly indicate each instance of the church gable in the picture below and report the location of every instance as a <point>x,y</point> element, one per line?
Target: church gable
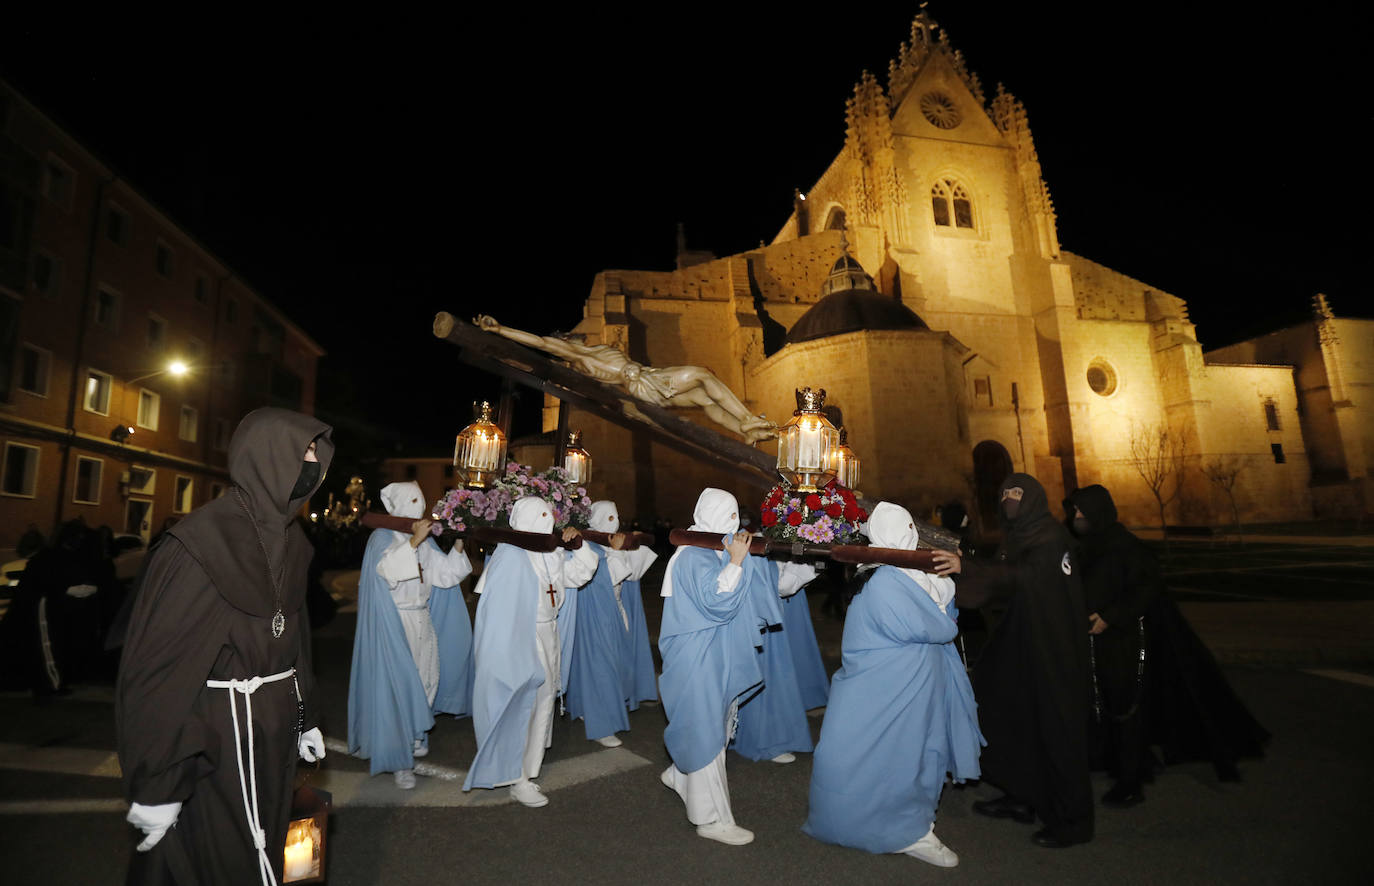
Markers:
<point>939,104</point>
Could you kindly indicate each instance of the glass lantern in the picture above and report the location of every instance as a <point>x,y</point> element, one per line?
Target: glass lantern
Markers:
<point>479,453</point>
<point>305,836</point>
<point>807,443</point>
<point>576,460</point>
<point>846,463</point>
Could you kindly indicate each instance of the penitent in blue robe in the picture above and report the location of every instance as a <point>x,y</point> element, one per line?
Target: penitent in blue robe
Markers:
<point>708,659</point>
<point>773,721</point>
<point>806,652</point>
<point>638,678</point>
<point>452,626</point>
<point>507,666</point>
<point>387,707</point>
<point>901,716</point>
<point>594,690</point>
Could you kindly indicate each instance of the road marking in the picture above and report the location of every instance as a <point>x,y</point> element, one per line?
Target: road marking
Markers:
<point>1344,676</point>
<point>439,786</point>
<point>68,761</point>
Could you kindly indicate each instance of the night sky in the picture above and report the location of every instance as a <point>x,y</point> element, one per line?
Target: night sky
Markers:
<point>365,174</point>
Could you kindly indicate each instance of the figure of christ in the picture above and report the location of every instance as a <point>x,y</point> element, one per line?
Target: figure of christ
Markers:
<point>684,386</point>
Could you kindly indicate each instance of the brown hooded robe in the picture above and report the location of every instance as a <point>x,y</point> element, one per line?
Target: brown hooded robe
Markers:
<point>204,612</point>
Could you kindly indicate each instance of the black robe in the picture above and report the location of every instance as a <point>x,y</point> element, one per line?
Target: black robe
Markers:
<point>1032,680</point>
<point>1121,580</point>
<point>204,611</point>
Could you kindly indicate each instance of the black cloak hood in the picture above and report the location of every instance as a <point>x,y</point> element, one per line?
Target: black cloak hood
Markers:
<point>265,458</point>
<point>1033,523</point>
<point>1096,504</point>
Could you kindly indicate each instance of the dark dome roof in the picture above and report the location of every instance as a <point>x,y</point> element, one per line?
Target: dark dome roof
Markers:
<point>851,310</point>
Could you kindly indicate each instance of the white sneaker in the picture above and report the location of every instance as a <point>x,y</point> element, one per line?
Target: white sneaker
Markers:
<point>785,757</point>
<point>527,793</point>
<point>421,749</point>
<point>405,779</point>
<point>729,834</point>
<point>930,850</point>
<point>609,741</point>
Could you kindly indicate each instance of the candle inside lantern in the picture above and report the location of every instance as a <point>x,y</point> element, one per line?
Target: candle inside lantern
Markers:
<point>300,855</point>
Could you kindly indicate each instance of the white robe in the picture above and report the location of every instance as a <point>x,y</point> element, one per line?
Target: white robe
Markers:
<point>401,567</point>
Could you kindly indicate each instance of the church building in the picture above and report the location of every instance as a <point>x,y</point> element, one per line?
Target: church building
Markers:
<point>921,282</point>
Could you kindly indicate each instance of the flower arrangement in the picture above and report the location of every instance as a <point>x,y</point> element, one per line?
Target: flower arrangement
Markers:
<point>462,508</point>
<point>830,515</point>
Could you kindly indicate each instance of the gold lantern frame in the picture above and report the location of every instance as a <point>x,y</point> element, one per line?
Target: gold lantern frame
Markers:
<point>847,463</point>
<point>577,462</point>
<point>479,451</point>
<point>807,443</point>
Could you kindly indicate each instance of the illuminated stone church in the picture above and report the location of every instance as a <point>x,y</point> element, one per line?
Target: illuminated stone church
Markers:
<point>922,283</point>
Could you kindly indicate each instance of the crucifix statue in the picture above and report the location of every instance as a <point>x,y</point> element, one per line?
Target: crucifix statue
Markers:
<point>667,386</point>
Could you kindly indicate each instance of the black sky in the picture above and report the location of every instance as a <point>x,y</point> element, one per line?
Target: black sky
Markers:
<point>365,174</point>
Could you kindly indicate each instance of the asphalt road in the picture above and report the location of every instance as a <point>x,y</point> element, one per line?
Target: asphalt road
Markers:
<point>1299,815</point>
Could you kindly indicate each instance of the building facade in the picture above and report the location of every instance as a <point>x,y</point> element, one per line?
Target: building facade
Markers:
<point>994,348</point>
<point>100,293</point>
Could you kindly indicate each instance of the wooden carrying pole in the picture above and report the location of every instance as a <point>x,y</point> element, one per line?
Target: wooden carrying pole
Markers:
<point>530,541</point>
<point>923,560</point>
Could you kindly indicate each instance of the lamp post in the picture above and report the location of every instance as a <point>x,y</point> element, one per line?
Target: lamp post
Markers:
<point>123,431</point>
<point>807,443</point>
<point>577,462</point>
<point>479,452</point>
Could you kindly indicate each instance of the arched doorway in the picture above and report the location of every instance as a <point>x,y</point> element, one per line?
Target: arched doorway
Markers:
<point>991,465</point>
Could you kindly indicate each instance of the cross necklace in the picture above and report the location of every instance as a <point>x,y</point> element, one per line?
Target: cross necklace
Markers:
<point>278,619</point>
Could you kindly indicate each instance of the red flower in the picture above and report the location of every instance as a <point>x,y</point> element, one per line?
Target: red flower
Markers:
<point>794,518</point>
<point>834,509</point>
<point>847,494</point>
<point>813,502</point>
<point>863,515</point>
<point>852,512</point>
<point>770,517</point>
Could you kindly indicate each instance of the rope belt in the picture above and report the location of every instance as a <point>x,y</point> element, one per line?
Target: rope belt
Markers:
<point>249,781</point>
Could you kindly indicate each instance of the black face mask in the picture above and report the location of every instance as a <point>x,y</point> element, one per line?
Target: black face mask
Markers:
<point>1011,507</point>
<point>306,482</point>
<point>1081,525</point>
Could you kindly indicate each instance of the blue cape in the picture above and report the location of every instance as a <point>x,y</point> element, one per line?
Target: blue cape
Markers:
<point>449,613</point>
<point>639,679</point>
<point>708,656</point>
<point>387,707</point>
<point>901,716</point>
<point>507,668</point>
<point>806,653</point>
<point>774,720</point>
<point>595,694</point>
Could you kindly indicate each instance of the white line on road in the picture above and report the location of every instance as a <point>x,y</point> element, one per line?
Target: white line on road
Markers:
<point>439,786</point>
<point>1345,676</point>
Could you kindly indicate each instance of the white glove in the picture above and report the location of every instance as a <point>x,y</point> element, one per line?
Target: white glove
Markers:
<point>153,821</point>
<point>312,745</point>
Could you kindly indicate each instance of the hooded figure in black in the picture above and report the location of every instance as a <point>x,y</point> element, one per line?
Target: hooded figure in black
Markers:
<point>221,599</point>
<point>1179,700</point>
<point>1120,581</point>
<point>1032,681</point>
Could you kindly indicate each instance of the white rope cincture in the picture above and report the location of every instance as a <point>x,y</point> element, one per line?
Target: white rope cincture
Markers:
<point>250,804</point>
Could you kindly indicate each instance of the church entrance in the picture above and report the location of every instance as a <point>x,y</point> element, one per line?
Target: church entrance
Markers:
<point>991,465</point>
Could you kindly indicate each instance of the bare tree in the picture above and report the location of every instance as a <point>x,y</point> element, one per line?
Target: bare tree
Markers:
<point>1157,454</point>
<point>1223,472</point>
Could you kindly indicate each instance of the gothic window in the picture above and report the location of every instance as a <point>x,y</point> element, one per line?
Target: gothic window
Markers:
<point>950,203</point>
<point>835,220</point>
<point>1271,415</point>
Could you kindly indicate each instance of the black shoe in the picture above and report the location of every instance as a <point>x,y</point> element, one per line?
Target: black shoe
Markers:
<point>1123,796</point>
<point>1049,839</point>
<point>1005,807</point>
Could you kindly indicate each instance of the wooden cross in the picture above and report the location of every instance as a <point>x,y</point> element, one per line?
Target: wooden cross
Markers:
<point>553,597</point>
